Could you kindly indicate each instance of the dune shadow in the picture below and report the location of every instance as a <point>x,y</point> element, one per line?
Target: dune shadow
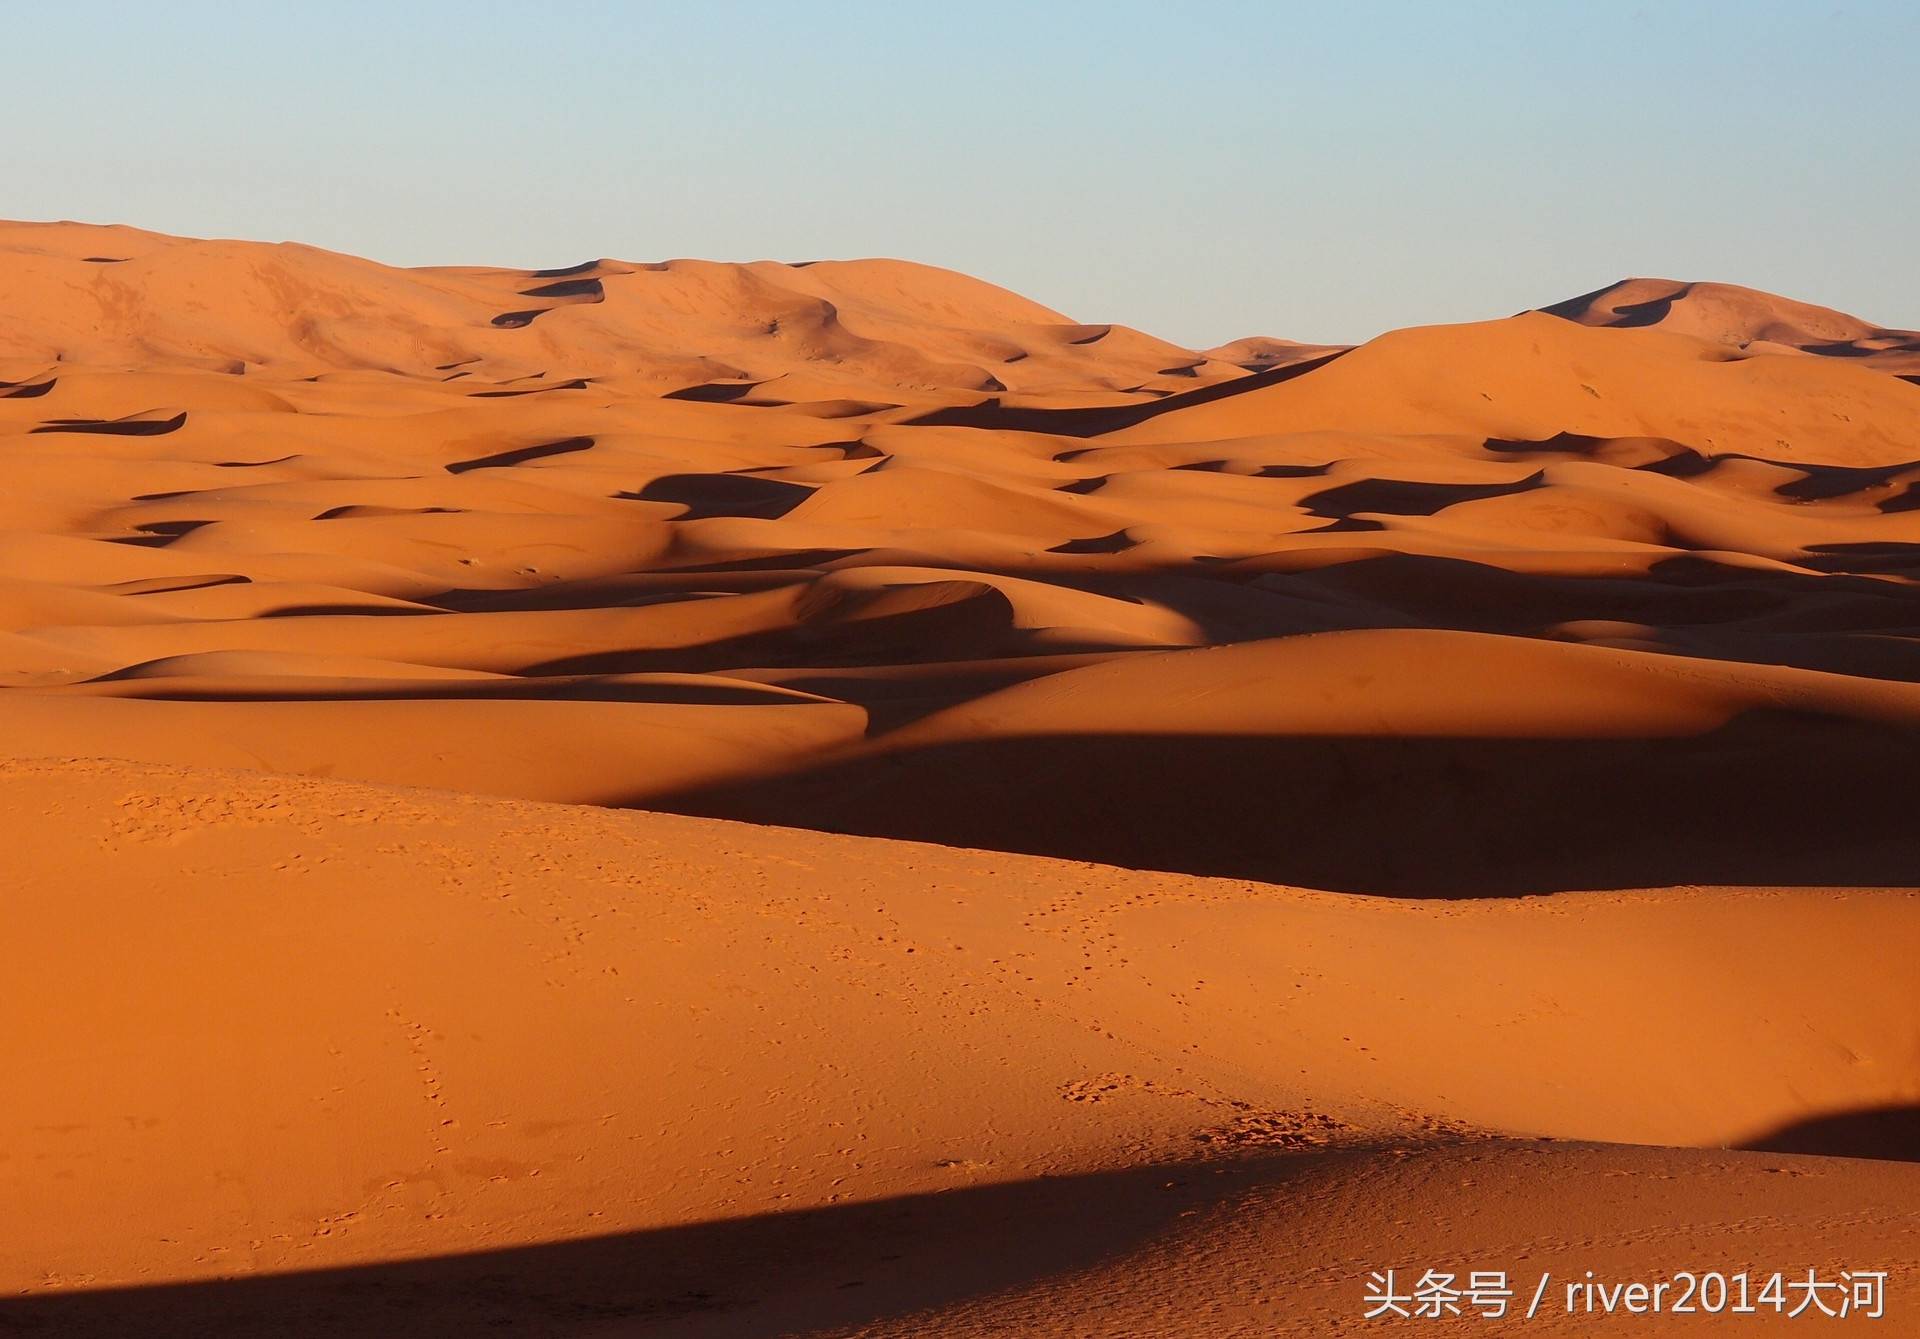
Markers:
<point>1084,487</point>
<point>484,690</point>
<point>974,621</point>
<point>1570,443</point>
<point>117,427</point>
<point>1888,557</point>
<point>892,701</point>
<point>577,384</point>
<point>809,561</point>
<point>1632,315</point>
<point>708,495</point>
<point>1890,1133</point>
<point>1841,622</point>
<point>590,290</point>
<point>521,455</point>
<point>170,585</point>
<point>159,534</point>
<point>994,414</point>
<point>1405,497</point>
<point>1771,798</point>
<point>346,609</point>
<point>853,450</point>
<point>713,392</point>
<point>1840,349</point>
<point>359,512</point>
<point>1820,482</point>
<point>807,1271</point>
<point>1908,499</point>
<point>1117,542</point>
<point>1626,315</point>
<point>655,585</point>
<point>1816,482</point>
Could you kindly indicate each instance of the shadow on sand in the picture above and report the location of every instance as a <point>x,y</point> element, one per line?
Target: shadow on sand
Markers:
<point>1773,798</point>
<point>1889,1133</point>
<point>770,1275</point>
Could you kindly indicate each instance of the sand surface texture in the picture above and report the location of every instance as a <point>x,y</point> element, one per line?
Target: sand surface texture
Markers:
<point>811,799</point>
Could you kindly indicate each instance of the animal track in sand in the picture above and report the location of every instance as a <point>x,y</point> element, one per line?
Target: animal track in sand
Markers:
<point>418,1035</point>
<point>1275,1129</point>
<point>1107,1087</point>
<point>158,817</point>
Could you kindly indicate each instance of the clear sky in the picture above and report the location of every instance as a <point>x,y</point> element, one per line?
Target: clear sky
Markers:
<point>1203,171</point>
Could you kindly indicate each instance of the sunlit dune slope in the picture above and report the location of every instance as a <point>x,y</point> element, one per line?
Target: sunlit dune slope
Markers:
<point>1532,377</point>
<point>120,297</point>
<point>312,1026</point>
<point>1746,318</point>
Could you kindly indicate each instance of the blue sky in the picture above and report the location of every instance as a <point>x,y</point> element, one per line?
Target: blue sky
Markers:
<point>1201,171</point>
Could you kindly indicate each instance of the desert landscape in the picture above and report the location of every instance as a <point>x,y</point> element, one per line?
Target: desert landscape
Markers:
<point>776,799</point>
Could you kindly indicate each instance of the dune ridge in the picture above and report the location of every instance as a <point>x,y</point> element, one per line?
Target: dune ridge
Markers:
<point>1745,317</point>
<point>118,296</point>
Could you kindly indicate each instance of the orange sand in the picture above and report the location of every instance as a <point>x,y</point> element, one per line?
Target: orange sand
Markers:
<point>345,609</point>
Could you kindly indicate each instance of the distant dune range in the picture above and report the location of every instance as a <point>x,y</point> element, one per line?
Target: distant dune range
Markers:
<point>877,548</point>
<point>1614,600</point>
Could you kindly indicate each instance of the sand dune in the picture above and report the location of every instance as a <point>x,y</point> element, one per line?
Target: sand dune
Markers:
<point>1746,318</point>
<point>120,297</point>
<point>744,1071</point>
<point>1316,760</point>
<point>1240,694</point>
